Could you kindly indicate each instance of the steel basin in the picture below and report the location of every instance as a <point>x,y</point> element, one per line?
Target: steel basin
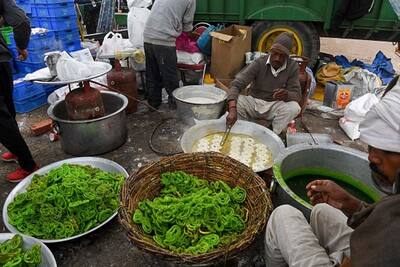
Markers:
<point>48,259</point>
<point>101,163</point>
<point>188,111</point>
<point>96,136</point>
<point>260,133</point>
<point>347,161</point>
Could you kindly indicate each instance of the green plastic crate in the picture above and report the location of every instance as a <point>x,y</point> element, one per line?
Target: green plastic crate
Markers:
<point>6,31</point>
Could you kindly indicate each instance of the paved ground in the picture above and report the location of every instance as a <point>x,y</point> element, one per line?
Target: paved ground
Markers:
<point>109,246</point>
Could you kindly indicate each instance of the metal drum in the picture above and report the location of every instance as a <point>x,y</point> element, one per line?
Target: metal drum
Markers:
<point>96,136</point>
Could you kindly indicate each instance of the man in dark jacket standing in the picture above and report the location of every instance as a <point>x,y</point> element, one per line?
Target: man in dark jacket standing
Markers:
<point>168,19</point>
<point>10,135</point>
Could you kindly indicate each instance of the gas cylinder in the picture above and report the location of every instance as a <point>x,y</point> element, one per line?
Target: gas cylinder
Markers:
<point>84,103</point>
<point>124,80</point>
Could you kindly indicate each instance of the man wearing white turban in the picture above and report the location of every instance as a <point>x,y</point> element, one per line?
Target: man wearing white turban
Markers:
<point>343,230</point>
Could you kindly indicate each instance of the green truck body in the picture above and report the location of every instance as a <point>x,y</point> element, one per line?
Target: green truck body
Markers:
<point>320,12</point>
<point>381,23</point>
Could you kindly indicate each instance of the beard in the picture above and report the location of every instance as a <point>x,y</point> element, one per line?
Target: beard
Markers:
<point>381,180</point>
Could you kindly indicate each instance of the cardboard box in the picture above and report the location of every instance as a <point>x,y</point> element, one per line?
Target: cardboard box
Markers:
<point>229,47</point>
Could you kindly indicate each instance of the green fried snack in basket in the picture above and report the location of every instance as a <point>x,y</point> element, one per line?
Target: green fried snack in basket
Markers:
<point>192,215</point>
<point>12,253</point>
<point>67,201</point>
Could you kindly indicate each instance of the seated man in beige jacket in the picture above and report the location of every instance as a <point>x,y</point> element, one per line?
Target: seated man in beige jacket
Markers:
<point>275,88</point>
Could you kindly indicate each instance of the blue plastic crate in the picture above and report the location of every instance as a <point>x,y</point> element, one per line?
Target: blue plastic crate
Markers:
<point>35,22</point>
<point>53,10</point>
<point>71,46</point>
<point>30,104</point>
<point>68,35</point>
<point>25,67</point>
<point>51,88</point>
<point>26,7</point>
<point>25,90</point>
<point>59,23</point>
<point>39,41</point>
<point>52,1</point>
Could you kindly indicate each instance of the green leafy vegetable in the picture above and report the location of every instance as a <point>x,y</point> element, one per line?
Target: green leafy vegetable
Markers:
<point>192,215</point>
<point>67,201</point>
<point>12,253</point>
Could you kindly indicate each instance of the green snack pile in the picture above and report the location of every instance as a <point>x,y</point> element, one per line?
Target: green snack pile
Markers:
<point>192,215</point>
<point>65,202</point>
<point>12,253</point>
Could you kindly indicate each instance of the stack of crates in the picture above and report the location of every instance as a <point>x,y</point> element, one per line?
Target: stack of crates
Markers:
<point>39,44</point>
<point>28,96</point>
<point>60,17</point>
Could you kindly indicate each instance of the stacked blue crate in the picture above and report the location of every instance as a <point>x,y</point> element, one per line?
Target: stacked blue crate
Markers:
<point>39,44</point>
<point>25,5</point>
<point>60,17</point>
<point>28,96</point>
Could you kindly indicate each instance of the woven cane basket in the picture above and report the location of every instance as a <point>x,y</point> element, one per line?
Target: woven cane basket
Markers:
<point>146,184</point>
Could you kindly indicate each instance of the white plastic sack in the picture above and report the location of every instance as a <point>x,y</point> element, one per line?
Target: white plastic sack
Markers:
<point>139,3</point>
<point>355,113</point>
<point>357,109</point>
<point>189,58</point>
<point>363,80</point>
<point>69,68</point>
<point>112,42</point>
<point>137,18</point>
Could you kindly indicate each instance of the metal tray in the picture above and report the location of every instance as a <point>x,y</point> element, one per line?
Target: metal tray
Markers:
<point>48,259</point>
<point>260,133</point>
<point>104,164</point>
<point>107,69</point>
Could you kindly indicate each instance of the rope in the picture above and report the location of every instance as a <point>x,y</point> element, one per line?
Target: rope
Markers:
<point>163,120</point>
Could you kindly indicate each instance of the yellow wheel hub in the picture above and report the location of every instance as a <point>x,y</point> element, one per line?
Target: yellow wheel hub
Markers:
<point>268,37</point>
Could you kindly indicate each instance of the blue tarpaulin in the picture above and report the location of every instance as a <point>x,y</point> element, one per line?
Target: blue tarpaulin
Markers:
<point>381,66</point>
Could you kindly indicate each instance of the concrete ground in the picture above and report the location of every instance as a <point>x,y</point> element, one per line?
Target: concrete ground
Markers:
<point>109,246</point>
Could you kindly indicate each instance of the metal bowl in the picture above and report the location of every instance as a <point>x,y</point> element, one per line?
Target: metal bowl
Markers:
<point>258,132</point>
<point>95,136</point>
<point>340,159</point>
<point>48,259</point>
<point>189,110</point>
<point>104,164</point>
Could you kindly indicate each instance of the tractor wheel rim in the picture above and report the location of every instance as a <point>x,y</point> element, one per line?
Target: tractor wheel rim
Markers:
<point>268,38</point>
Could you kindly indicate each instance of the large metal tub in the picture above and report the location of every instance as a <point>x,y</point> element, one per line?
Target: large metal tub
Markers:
<point>96,136</point>
<point>260,133</point>
<point>346,161</point>
<point>188,110</point>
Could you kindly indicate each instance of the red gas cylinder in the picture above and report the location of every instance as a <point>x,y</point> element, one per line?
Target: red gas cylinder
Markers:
<point>124,80</point>
<point>84,103</point>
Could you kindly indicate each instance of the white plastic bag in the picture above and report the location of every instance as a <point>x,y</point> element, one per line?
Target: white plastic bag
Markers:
<point>69,68</point>
<point>363,81</point>
<point>137,18</point>
<point>355,113</point>
<point>112,42</point>
<point>189,58</point>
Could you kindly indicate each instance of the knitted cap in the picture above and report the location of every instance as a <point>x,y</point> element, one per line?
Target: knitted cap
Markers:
<point>284,42</point>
